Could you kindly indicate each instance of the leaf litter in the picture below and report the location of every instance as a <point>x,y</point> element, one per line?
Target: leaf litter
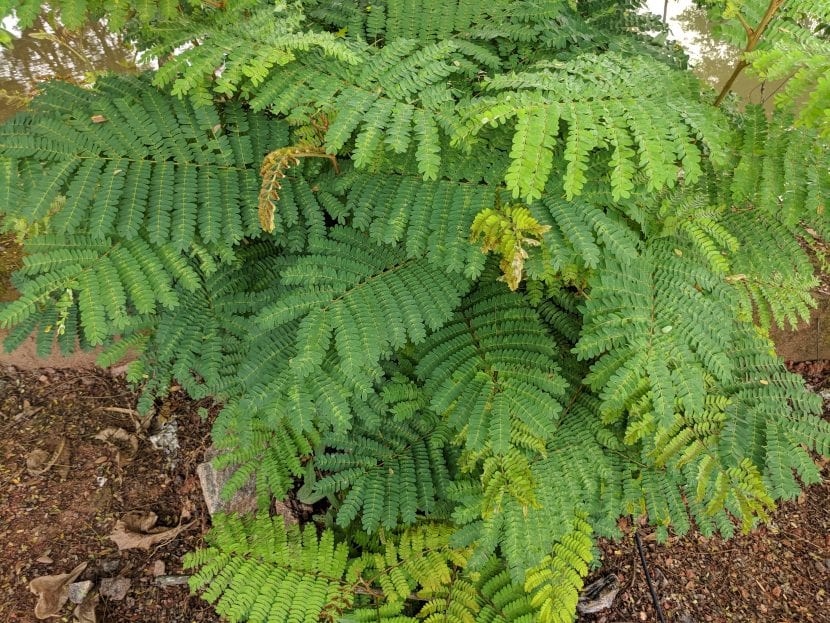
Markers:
<point>53,591</point>
<point>137,529</point>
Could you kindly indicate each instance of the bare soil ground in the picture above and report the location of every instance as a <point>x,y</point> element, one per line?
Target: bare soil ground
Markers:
<point>50,522</point>
<point>53,521</point>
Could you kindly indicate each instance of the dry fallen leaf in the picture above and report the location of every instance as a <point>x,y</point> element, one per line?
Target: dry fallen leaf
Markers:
<point>140,521</point>
<point>36,461</point>
<point>125,444</point>
<point>137,529</point>
<point>85,612</point>
<point>141,423</point>
<point>39,461</point>
<point>53,591</point>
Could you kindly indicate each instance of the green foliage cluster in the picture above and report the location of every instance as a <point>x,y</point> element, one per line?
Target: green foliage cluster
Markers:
<point>463,439</point>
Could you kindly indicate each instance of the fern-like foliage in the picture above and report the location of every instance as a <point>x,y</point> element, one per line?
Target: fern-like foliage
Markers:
<point>389,476</point>
<point>76,13</point>
<point>261,570</point>
<point>294,213</point>
<point>626,124</point>
<point>491,372</point>
<point>136,163</point>
<point>366,299</point>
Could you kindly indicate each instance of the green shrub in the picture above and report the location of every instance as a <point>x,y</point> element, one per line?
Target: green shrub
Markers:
<point>481,278</point>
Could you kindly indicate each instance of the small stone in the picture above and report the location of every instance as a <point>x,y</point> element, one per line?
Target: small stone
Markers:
<point>109,565</point>
<point>213,481</point>
<point>158,568</point>
<point>172,580</point>
<point>43,379</point>
<point>79,590</point>
<point>115,589</point>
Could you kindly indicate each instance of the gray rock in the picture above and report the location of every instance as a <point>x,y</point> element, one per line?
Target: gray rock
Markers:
<point>213,481</point>
<point>115,589</point>
<point>598,595</point>
<point>167,441</point>
<point>79,590</point>
<point>171,580</point>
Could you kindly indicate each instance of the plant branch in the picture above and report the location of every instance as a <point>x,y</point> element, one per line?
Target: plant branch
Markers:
<point>753,37</point>
<point>747,28</point>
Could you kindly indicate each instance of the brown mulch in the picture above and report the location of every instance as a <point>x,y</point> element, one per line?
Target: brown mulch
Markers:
<point>67,520</point>
<point>781,573</point>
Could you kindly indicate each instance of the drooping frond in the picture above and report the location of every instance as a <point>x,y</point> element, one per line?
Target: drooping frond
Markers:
<point>554,584</point>
<point>491,371</point>
<point>246,39</point>
<point>772,270</point>
<point>260,570</point>
<point>783,172</point>
<point>571,111</point>
<point>132,162</point>
<point>386,477</point>
<point>643,323</point>
<point>109,280</point>
<point>273,172</point>
<point>364,298</point>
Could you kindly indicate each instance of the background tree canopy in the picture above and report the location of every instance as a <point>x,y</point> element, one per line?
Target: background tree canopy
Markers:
<point>484,276</point>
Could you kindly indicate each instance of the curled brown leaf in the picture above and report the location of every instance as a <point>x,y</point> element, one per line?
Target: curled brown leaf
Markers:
<point>85,611</point>
<point>53,591</point>
<point>137,529</point>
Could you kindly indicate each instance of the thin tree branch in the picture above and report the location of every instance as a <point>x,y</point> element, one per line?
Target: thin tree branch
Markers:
<point>747,28</point>
<point>753,38</point>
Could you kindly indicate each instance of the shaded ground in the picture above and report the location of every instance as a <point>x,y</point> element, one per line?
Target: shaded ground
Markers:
<point>779,574</point>
<point>46,517</point>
